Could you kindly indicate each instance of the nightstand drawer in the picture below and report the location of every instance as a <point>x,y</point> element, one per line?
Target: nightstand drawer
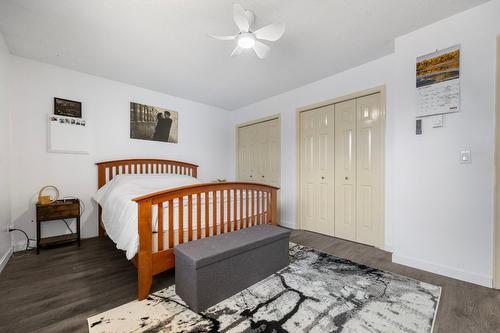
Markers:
<point>58,210</point>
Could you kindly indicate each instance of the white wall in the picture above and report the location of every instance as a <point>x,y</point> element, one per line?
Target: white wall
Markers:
<point>5,241</point>
<point>438,212</point>
<point>203,137</point>
<point>360,78</point>
<point>441,211</point>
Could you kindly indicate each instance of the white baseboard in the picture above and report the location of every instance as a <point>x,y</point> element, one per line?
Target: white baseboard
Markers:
<point>388,248</point>
<point>5,259</point>
<point>452,272</point>
<point>288,225</point>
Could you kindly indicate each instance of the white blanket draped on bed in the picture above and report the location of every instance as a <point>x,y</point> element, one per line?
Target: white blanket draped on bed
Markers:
<point>119,212</point>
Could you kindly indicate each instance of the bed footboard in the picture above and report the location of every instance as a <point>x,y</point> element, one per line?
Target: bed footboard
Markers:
<point>194,212</point>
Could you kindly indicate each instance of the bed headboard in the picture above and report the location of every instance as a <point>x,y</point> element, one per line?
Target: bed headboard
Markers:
<point>107,170</point>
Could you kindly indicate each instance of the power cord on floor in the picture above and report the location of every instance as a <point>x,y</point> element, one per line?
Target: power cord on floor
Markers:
<point>28,247</point>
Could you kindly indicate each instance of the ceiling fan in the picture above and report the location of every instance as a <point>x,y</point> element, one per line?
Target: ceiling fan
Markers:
<point>249,39</point>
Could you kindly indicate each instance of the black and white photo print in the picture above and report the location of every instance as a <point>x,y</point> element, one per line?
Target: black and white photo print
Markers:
<point>153,123</point>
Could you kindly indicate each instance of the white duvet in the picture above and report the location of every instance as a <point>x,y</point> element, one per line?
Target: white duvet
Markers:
<point>119,212</point>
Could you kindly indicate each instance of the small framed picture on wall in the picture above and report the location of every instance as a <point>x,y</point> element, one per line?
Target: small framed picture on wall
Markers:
<point>67,108</point>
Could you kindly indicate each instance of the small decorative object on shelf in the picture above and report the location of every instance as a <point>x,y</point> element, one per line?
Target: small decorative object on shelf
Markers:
<point>57,210</point>
<point>220,180</point>
<point>47,199</point>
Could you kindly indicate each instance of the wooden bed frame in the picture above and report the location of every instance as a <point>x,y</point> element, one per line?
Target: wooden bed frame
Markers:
<point>258,199</point>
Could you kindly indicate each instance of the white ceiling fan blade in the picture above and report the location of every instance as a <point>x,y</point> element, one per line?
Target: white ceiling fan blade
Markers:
<point>240,18</point>
<point>271,32</point>
<point>261,49</point>
<point>223,37</point>
<point>237,51</point>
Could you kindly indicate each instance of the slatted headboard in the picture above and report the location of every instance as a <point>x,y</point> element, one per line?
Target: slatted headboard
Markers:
<point>107,170</point>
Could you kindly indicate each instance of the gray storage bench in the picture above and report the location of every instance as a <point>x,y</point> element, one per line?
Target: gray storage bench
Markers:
<point>212,269</point>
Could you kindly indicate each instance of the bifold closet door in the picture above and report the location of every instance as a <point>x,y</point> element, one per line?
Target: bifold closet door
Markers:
<point>370,171</point>
<point>259,152</point>
<point>317,170</point>
<point>268,162</point>
<point>345,170</point>
<point>246,153</point>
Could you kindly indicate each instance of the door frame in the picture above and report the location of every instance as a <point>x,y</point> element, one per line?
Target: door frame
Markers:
<point>376,90</point>
<point>237,127</point>
<point>496,201</point>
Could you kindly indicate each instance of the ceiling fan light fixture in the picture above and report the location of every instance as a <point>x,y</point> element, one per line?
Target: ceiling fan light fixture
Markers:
<point>247,37</point>
<point>246,41</point>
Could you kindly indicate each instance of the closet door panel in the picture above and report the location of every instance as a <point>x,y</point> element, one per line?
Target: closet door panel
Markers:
<point>272,151</point>
<point>369,171</point>
<point>345,170</point>
<point>254,156</point>
<point>308,166</point>
<point>244,153</point>
<point>326,176</point>
<point>317,170</point>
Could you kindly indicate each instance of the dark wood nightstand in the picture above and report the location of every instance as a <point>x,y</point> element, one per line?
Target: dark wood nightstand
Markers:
<point>58,210</point>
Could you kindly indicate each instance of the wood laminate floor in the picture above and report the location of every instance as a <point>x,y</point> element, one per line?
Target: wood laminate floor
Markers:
<point>57,290</point>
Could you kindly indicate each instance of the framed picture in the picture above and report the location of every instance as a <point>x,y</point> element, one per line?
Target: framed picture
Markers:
<point>153,123</point>
<point>67,108</point>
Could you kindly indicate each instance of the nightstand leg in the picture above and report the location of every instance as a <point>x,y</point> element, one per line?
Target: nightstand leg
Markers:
<point>37,237</point>
<point>78,229</point>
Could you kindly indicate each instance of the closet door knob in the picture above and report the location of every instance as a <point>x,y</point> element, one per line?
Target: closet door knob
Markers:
<point>322,177</point>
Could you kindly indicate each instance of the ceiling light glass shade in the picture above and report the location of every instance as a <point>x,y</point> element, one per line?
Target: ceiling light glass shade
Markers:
<point>246,41</point>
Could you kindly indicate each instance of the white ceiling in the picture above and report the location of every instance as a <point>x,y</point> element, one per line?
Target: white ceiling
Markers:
<point>162,44</point>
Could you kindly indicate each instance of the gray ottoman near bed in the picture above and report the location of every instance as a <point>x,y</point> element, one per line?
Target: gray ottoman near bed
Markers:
<point>212,269</point>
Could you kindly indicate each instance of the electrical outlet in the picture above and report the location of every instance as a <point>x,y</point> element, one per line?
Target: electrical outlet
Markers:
<point>465,157</point>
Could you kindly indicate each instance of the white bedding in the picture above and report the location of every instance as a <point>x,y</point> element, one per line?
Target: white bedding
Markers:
<point>119,212</point>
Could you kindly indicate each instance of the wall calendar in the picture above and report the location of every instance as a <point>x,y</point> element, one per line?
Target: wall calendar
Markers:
<point>438,82</point>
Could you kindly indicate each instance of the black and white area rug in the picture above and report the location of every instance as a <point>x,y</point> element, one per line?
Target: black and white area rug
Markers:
<point>317,292</point>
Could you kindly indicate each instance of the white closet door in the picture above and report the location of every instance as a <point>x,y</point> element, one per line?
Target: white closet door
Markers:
<point>317,170</point>
<point>259,152</point>
<point>247,153</point>
<point>273,157</point>
<point>345,170</point>
<point>244,153</point>
<point>369,213</point>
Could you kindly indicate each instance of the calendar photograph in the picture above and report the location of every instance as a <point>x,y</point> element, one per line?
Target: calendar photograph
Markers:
<point>438,67</point>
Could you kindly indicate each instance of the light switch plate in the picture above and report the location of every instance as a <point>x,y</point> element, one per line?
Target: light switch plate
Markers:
<point>465,157</point>
<point>437,121</point>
